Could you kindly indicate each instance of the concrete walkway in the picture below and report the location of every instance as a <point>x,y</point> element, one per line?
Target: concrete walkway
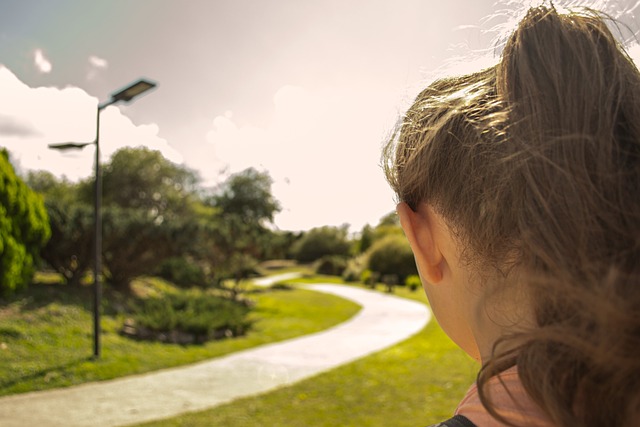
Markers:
<point>383,321</point>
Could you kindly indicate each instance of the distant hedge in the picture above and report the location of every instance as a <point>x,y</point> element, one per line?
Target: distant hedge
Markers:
<point>321,241</point>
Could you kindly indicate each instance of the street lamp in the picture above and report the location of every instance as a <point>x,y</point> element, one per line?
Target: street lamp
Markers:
<point>125,95</point>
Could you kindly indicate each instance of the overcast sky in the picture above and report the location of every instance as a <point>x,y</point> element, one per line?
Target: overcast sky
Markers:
<point>305,89</point>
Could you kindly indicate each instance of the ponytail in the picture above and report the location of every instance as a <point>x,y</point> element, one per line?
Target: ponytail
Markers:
<point>574,122</point>
<point>535,164</point>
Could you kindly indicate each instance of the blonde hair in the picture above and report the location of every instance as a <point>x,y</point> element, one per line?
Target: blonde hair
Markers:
<point>535,163</point>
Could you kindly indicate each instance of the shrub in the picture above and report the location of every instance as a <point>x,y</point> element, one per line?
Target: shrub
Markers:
<point>281,287</point>
<point>157,314</point>
<point>319,242</point>
<point>354,269</point>
<point>349,275</point>
<point>189,317</point>
<point>369,278</point>
<point>390,281</point>
<point>392,255</point>
<point>331,265</point>
<point>182,272</point>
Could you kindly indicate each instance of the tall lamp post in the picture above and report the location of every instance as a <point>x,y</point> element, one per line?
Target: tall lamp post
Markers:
<point>124,95</point>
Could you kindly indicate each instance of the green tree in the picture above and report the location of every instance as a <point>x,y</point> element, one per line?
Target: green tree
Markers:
<point>230,248</point>
<point>236,236</point>
<point>248,195</point>
<point>140,178</point>
<point>148,213</point>
<point>279,244</point>
<point>389,219</point>
<point>24,228</point>
<point>364,240</point>
<point>71,247</point>
<point>322,241</point>
<point>388,225</point>
<point>135,244</point>
<point>62,191</point>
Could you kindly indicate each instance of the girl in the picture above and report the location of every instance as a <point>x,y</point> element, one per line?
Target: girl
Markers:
<point>519,190</point>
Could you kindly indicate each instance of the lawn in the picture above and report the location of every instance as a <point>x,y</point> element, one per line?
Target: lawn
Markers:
<point>417,382</point>
<point>46,334</point>
<point>45,342</point>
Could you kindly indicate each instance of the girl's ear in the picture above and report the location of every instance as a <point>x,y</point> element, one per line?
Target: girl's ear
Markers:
<point>420,230</point>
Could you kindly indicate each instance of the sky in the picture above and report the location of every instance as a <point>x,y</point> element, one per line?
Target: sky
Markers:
<point>306,90</point>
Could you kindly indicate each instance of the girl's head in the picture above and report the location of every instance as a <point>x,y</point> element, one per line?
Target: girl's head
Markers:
<point>533,166</point>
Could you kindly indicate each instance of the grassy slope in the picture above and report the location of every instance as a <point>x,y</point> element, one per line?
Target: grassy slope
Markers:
<point>46,336</point>
<point>45,341</point>
<point>417,382</point>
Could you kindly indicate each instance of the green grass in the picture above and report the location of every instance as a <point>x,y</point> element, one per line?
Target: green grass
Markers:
<point>271,268</point>
<point>45,342</point>
<point>417,382</point>
<point>46,335</point>
<point>318,278</point>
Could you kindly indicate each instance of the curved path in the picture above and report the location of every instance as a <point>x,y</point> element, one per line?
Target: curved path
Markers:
<point>383,321</point>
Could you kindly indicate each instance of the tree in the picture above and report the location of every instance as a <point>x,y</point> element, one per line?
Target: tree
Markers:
<point>235,235</point>
<point>24,228</point>
<point>148,213</point>
<point>388,225</point>
<point>140,178</point>
<point>279,243</point>
<point>365,239</point>
<point>389,219</point>
<point>322,241</point>
<point>135,244</point>
<point>51,188</point>
<point>230,249</point>
<point>248,195</point>
<point>70,249</point>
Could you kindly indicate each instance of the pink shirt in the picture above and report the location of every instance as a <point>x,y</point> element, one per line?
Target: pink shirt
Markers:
<point>511,401</point>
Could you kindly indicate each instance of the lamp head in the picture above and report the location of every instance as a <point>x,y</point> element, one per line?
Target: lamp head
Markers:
<point>133,90</point>
<point>70,145</point>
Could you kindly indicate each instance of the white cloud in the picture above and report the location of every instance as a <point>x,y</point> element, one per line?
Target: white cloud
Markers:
<point>42,63</point>
<point>322,149</point>
<point>634,53</point>
<point>36,117</point>
<point>98,62</point>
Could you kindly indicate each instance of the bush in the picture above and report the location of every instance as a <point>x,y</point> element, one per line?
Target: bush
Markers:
<point>331,265</point>
<point>319,242</point>
<point>189,317</point>
<point>354,269</point>
<point>390,281</point>
<point>182,272</point>
<point>413,282</point>
<point>281,287</point>
<point>369,278</point>
<point>157,314</point>
<point>392,255</point>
